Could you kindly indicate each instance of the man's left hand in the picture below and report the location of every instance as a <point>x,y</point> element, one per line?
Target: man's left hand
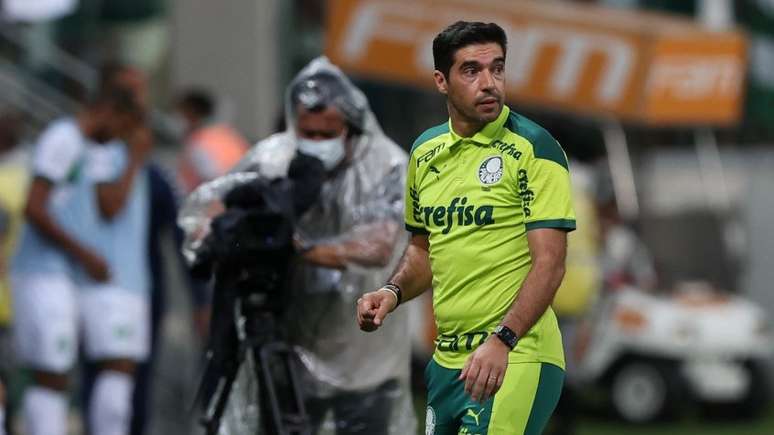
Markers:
<point>484,370</point>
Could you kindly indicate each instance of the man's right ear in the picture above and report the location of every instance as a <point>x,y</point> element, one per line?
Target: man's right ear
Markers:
<point>440,82</point>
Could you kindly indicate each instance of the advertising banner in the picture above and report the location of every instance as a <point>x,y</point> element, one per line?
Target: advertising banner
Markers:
<point>585,59</point>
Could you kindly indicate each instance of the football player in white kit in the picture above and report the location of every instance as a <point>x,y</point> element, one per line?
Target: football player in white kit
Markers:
<point>53,254</point>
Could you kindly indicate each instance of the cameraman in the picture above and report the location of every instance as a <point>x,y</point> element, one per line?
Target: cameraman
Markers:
<point>348,240</point>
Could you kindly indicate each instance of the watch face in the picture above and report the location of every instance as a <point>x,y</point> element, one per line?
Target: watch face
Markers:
<point>506,335</point>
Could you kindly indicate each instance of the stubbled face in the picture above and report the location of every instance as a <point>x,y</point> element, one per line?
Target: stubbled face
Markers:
<point>320,125</point>
<point>476,84</point>
<point>122,124</point>
<point>113,124</point>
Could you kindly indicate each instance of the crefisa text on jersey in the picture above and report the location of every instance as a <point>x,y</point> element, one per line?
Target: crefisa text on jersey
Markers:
<point>444,216</point>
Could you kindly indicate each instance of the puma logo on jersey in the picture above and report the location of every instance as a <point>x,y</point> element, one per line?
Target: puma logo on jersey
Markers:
<point>459,212</point>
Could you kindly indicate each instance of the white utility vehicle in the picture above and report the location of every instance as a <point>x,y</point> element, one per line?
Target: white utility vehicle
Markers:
<point>654,353</point>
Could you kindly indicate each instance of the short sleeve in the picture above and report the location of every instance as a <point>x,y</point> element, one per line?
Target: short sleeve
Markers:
<point>545,190</point>
<point>413,207</point>
<point>105,164</point>
<point>58,152</point>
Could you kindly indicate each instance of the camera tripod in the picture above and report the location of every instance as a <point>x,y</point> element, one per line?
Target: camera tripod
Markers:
<point>251,338</point>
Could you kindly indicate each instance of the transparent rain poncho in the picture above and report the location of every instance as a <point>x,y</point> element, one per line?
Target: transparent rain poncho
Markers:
<point>360,213</point>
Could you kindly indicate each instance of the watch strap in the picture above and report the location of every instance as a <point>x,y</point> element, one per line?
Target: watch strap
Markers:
<point>507,336</point>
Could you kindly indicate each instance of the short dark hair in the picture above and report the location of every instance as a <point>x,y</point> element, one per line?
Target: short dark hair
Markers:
<point>198,101</point>
<point>461,34</point>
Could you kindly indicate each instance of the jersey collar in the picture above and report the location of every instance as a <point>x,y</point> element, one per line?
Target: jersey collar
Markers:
<point>486,135</point>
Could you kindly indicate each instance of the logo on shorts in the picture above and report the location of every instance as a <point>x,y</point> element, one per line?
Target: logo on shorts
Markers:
<point>475,416</point>
<point>430,421</point>
<point>491,170</point>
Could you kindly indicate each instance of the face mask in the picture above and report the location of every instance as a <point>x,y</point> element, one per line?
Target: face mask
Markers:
<point>330,151</point>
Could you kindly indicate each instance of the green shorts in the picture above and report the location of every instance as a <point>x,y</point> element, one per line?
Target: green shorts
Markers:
<point>523,405</point>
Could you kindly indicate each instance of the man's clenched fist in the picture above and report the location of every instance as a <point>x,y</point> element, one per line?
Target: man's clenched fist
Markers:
<point>373,307</point>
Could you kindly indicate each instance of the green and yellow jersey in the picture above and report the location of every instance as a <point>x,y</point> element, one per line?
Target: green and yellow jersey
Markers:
<point>476,198</point>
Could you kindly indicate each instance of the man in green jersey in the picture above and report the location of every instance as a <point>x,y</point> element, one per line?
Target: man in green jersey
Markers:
<point>488,205</point>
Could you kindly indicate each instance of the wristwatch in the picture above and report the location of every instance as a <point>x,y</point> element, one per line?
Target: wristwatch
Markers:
<point>506,335</point>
